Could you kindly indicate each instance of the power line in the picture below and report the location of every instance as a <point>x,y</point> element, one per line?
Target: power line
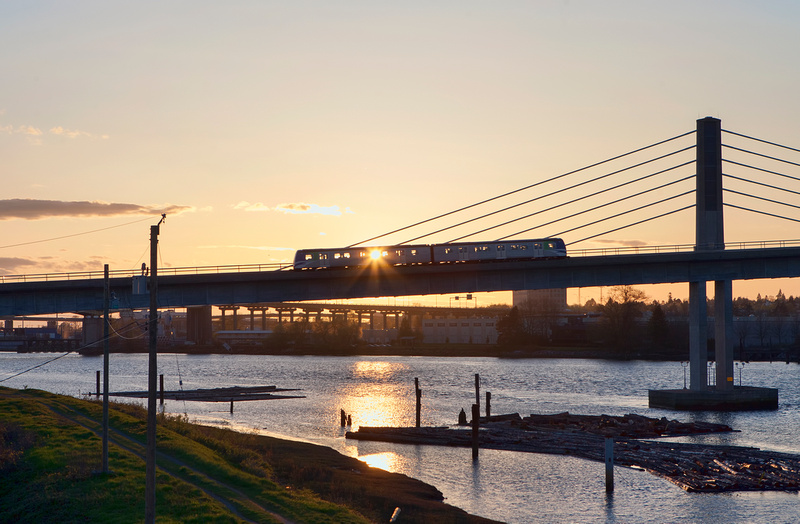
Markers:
<point>74,234</point>
<point>524,188</point>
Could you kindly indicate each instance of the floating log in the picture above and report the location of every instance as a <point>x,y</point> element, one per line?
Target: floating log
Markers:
<point>237,393</point>
<point>693,467</point>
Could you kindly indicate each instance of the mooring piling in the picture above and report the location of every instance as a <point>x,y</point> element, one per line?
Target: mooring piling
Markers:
<point>476,415</point>
<point>98,384</point>
<point>488,404</point>
<point>342,417</point>
<point>609,464</point>
<point>419,399</point>
<point>161,380</point>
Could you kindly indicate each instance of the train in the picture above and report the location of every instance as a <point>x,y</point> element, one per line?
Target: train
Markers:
<point>419,254</point>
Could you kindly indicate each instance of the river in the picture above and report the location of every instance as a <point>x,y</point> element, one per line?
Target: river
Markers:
<point>507,486</point>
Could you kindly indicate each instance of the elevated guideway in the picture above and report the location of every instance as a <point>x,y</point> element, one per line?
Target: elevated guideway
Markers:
<point>184,290</point>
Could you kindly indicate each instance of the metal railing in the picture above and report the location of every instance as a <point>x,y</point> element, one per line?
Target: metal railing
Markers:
<point>127,273</point>
<point>241,268</point>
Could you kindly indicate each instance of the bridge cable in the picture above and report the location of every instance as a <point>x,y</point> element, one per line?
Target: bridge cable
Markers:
<point>604,205</point>
<point>790,177</point>
<point>525,188</point>
<point>633,224</point>
<point>583,198</point>
<point>762,198</point>
<point>762,212</point>
<point>603,219</point>
<point>561,191</point>
<point>761,155</point>
<point>761,140</point>
<point>762,184</point>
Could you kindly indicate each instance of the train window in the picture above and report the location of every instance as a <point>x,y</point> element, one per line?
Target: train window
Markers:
<point>362,254</point>
<point>523,247</point>
<point>489,324</point>
<point>440,324</point>
<point>501,247</point>
<point>384,253</point>
<point>309,256</point>
<point>465,324</point>
<point>463,250</point>
<point>399,252</point>
<point>337,255</point>
<point>413,252</point>
<point>454,324</point>
<point>448,250</point>
<point>346,254</point>
<point>550,245</point>
<point>323,256</point>
<point>537,245</point>
<point>428,324</point>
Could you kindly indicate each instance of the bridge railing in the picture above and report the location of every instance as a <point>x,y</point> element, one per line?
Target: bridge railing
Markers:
<point>123,273</point>
<point>637,250</point>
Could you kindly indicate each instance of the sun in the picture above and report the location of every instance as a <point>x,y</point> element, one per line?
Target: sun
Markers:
<point>375,255</point>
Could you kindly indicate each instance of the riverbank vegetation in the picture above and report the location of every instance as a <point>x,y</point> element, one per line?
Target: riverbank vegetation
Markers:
<point>51,458</point>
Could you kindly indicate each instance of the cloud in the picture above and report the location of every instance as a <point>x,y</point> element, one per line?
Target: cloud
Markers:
<point>31,209</point>
<point>308,209</point>
<point>625,243</point>
<point>295,208</point>
<point>258,248</point>
<point>74,133</point>
<point>9,265</point>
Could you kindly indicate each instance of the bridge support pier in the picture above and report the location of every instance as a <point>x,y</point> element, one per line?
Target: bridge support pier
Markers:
<point>698,337</point>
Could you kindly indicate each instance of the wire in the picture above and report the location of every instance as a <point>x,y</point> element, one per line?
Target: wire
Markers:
<point>38,366</point>
<point>583,198</point>
<point>524,188</point>
<point>762,155</point>
<point>557,192</point>
<point>605,205</point>
<point>762,212</point>
<point>762,198</point>
<point>762,184</point>
<point>762,169</point>
<point>609,217</point>
<point>73,235</point>
<point>760,140</point>
<point>633,224</point>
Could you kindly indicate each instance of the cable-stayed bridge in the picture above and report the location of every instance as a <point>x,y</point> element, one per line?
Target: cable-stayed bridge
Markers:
<point>705,170</point>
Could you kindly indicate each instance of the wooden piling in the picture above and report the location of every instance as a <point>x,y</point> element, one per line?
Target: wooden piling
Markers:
<point>98,384</point>
<point>478,389</point>
<point>419,399</point>
<point>161,380</point>
<point>342,417</point>
<point>476,414</point>
<point>488,404</point>
<point>349,420</point>
<point>609,464</point>
<point>231,406</point>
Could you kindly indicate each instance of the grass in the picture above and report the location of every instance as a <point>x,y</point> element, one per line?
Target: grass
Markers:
<point>50,458</point>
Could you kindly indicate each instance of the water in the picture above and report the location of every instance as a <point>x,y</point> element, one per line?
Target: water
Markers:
<point>507,486</point>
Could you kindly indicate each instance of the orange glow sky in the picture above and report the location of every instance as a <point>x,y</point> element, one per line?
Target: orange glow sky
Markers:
<point>263,127</point>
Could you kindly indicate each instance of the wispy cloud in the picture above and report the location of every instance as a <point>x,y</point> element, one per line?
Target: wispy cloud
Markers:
<point>11,265</point>
<point>31,209</point>
<point>74,133</point>
<point>625,243</point>
<point>294,208</point>
<point>35,136</point>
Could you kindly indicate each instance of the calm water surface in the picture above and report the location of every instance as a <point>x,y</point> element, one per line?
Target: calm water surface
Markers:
<point>507,486</point>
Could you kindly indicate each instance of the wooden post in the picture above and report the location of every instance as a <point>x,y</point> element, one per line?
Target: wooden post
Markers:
<point>106,349</point>
<point>98,383</point>
<point>152,370</point>
<point>349,420</point>
<point>476,414</point>
<point>161,379</point>
<point>231,406</point>
<point>478,390</point>
<point>419,399</point>
<point>343,417</point>
<point>488,404</point>
<point>609,464</point>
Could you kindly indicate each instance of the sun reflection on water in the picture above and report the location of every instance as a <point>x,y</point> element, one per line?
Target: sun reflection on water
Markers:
<point>375,398</point>
<point>387,461</point>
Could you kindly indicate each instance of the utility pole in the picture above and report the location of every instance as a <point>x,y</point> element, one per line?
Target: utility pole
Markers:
<point>106,298</point>
<point>150,473</point>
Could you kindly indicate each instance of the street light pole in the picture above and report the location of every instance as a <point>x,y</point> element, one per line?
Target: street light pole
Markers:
<point>150,473</point>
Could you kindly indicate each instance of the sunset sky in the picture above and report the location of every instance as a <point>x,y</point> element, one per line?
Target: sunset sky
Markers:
<point>263,127</point>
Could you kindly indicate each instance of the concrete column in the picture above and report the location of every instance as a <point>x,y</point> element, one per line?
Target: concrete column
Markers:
<point>709,217</point>
<point>263,320</point>
<point>723,333</point>
<point>698,348</point>
<point>372,320</point>
<point>222,319</point>
<point>198,324</point>
<point>235,318</point>
<point>252,319</point>
<point>93,331</point>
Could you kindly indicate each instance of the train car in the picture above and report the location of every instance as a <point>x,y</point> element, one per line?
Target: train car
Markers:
<point>362,256</point>
<point>504,250</point>
<point>429,254</point>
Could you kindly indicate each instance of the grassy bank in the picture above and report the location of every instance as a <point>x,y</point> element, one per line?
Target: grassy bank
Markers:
<point>50,455</point>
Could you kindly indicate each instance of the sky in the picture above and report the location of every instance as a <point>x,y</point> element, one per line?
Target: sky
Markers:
<point>264,127</point>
